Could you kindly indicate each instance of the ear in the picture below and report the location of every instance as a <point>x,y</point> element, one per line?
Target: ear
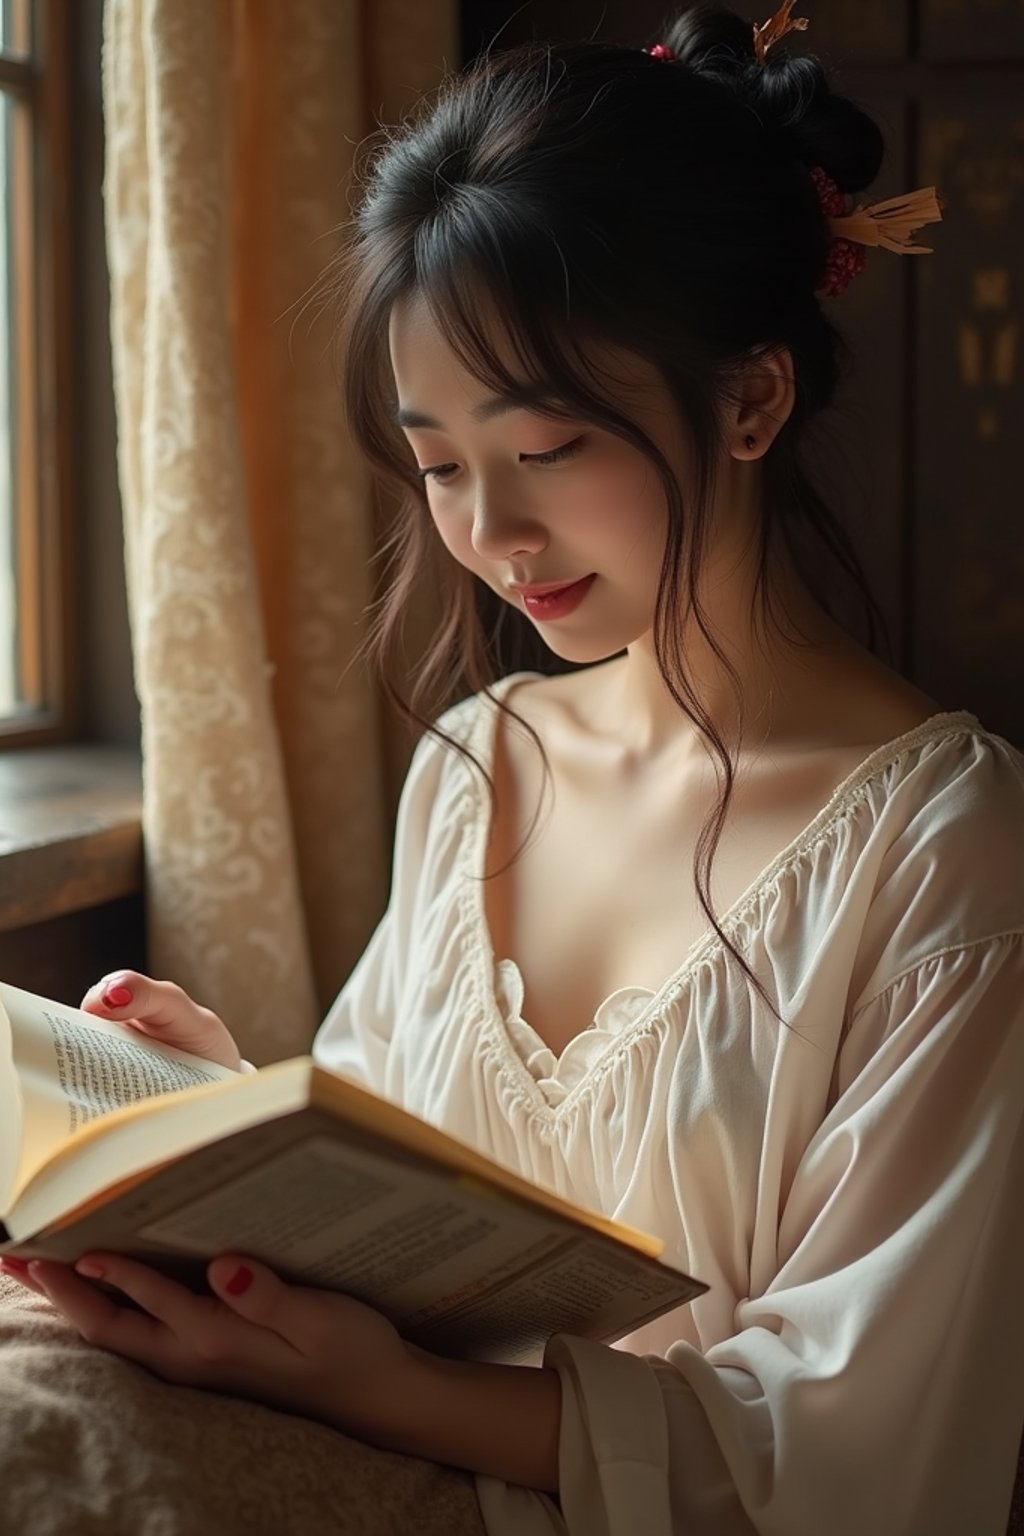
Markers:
<point>765,398</point>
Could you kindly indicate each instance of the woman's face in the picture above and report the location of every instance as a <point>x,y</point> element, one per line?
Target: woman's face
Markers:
<point>520,499</point>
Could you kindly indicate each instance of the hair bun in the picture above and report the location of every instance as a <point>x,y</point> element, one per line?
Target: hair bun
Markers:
<point>790,95</point>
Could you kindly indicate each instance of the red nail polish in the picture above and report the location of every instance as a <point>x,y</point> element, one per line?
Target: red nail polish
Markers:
<point>240,1281</point>
<point>9,1263</point>
<point>117,997</point>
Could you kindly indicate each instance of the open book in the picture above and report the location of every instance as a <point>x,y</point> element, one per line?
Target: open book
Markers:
<point>112,1141</point>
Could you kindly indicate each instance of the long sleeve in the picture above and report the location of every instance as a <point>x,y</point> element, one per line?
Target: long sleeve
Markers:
<point>877,1383</point>
<point>355,1036</point>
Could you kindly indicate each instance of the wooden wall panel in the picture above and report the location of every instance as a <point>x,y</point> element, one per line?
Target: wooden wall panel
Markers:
<point>857,459</point>
<point>969,401</point>
<point>846,32</point>
<point>959,30</point>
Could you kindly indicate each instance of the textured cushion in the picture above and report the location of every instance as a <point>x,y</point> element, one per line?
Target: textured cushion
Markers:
<point>93,1445</point>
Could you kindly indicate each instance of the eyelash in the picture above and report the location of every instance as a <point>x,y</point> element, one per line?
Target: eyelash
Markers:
<point>554,456</point>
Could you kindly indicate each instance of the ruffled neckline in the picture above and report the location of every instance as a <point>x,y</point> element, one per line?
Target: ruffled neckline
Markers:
<point>557,1075</point>
<point>552,1079</point>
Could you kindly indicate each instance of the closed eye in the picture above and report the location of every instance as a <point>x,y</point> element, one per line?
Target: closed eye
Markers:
<point>443,472</point>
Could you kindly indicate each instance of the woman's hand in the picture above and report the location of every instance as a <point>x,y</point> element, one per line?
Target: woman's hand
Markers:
<point>164,1011</point>
<point>305,1350</point>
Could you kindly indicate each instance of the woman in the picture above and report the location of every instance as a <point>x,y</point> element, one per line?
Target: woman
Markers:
<point>746,964</point>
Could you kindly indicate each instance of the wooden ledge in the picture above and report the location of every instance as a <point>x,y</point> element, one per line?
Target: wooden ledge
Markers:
<point>70,831</point>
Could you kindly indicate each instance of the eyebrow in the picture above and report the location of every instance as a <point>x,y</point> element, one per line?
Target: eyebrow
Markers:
<point>487,410</point>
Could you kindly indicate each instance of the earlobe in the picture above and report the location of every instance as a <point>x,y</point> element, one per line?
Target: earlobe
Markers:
<point>748,446</point>
<point>768,396</point>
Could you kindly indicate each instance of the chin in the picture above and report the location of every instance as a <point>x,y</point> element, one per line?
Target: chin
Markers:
<point>584,650</point>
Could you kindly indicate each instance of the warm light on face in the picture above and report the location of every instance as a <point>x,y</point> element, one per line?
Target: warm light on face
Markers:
<point>520,497</point>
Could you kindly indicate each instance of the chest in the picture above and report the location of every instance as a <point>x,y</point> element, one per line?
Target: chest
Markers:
<point>603,895</point>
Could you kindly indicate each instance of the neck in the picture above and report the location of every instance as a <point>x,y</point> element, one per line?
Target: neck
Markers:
<point>777,675</point>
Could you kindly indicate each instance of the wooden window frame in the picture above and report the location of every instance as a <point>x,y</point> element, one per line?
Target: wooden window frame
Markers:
<point>42,334</point>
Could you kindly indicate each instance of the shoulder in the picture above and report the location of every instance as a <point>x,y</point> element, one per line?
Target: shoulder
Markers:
<point>466,727</point>
<point>532,696</point>
<point>554,705</point>
<point>944,850</point>
<point>951,784</point>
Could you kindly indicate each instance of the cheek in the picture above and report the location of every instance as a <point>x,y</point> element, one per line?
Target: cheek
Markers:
<point>454,528</point>
<point>621,503</point>
<point>446,524</point>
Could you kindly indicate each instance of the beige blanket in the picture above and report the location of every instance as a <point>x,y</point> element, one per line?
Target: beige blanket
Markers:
<point>92,1445</point>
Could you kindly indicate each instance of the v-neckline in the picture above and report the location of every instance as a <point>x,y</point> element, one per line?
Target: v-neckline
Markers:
<point>484,743</point>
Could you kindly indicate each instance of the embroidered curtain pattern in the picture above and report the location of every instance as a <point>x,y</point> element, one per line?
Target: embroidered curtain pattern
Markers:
<point>231,127</point>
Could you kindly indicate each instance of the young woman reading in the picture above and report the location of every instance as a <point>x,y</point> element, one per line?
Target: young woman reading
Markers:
<point>734,951</point>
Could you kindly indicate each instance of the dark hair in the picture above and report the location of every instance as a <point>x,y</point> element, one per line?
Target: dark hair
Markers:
<point>595,193</point>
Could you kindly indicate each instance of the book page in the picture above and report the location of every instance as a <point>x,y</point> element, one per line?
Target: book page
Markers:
<point>581,1286</point>
<point>114,1149</point>
<point>71,1068</point>
<point>353,1220</point>
<point>456,1267</point>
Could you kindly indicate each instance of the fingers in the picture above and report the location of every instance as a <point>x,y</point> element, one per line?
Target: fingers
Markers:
<point>112,992</point>
<point>172,1329</point>
<point>254,1292</point>
<point>128,995</point>
<point>17,1269</point>
<point>96,1316</point>
<point>249,1291</point>
<point>180,1336</point>
<point>296,1347</point>
<point>164,1011</point>
<point>163,1299</point>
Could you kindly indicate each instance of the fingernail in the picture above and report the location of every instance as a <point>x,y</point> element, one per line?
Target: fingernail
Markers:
<point>14,1264</point>
<point>117,997</point>
<point>90,1269</point>
<point>240,1281</point>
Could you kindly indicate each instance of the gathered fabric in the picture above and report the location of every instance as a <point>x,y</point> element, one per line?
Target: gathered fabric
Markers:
<point>847,1185</point>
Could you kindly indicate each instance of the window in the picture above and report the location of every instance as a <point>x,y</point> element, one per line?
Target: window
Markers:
<point>35,682</point>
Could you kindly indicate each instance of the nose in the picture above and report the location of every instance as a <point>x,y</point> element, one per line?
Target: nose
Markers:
<point>502,528</point>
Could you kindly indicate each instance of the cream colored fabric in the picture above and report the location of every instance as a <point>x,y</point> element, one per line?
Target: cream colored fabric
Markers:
<point>231,126</point>
<point>849,1187</point>
<point>93,1445</point>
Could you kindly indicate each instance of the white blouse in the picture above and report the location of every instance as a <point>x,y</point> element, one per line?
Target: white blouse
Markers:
<point>849,1187</point>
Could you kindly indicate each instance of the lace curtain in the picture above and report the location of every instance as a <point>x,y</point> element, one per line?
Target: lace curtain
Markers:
<point>231,126</point>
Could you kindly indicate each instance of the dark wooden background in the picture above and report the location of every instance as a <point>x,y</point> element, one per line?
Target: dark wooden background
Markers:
<point>922,453</point>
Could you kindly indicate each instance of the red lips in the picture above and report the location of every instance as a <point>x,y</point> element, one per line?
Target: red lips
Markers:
<point>555,602</point>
